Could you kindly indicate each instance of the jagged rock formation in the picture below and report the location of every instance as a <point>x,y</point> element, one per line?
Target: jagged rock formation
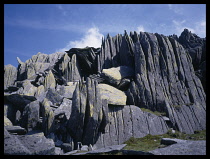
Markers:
<point>196,47</point>
<point>95,96</point>
<point>10,74</point>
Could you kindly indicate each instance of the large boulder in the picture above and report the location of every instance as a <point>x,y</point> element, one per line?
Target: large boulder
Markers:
<point>38,144</point>
<point>182,147</point>
<point>7,122</point>
<point>13,146</point>
<point>10,75</point>
<point>112,95</point>
<point>114,75</point>
<point>30,116</point>
<point>49,81</point>
<point>67,91</point>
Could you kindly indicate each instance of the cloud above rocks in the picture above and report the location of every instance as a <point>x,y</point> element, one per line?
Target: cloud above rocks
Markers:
<point>199,27</point>
<point>140,28</point>
<point>91,38</point>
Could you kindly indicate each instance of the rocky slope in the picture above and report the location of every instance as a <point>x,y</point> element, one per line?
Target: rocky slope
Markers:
<point>94,96</point>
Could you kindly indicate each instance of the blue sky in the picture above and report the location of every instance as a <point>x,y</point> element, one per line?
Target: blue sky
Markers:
<point>49,28</point>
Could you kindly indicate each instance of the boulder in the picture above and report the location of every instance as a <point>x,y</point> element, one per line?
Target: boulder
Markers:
<point>112,95</point>
<point>67,147</point>
<point>48,116</point>
<point>27,88</point>
<point>186,147</point>
<point>64,108</point>
<point>10,75</point>
<point>7,122</point>
<point>19,101</point>
<point>53,96</point>
<point>38,144</point>
<point>108,149</point>
<point>13,146</point>
<point>116,74</point>
<point>66,91</point>
<point>40,93</point>
<point>84,148</point>
<point>49,81</point>
<point>30,116</point>
<point>17,130</point>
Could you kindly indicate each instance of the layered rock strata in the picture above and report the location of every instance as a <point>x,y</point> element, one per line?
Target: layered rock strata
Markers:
<point>76,97</point>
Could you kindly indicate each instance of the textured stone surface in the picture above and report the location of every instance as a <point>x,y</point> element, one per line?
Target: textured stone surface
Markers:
<point>30,116</point>
<point>183,148</point>
<point>116,74</point>
<point>129,121</point>
<point>13,146</point>
<point>15,130</point>
<point>66,96</point>
<point>38,144</point>
<point>10,75</point>
<point>7,122</point>
<point>110,149</point>
<point>112,95</point>
<point>67,91</point>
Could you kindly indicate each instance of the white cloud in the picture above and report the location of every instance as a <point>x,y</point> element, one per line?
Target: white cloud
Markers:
<point>92,38</point>
<point>140,28</point>
<point>180,26</point>
<point>198,28</point>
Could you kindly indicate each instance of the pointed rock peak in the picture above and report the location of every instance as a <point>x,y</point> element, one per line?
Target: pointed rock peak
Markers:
<point>19,61</point>
<point>108,36</point>
<point>131,33</point>
<point>125,33</point>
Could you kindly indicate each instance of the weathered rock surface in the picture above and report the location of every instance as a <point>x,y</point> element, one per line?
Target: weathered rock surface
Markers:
<point>15,130</point>
<point>10,75</point>
<point>38,144</point>
<point>67,91</point>
<point>30,116</point>
<point>108,149</point>
<point>115,75</point>
<point>13,146</point>
<point>129,121</point>
<point>182,147</point>
<point>112,95</point>
<point>66,96</point>
<point>7,122</point>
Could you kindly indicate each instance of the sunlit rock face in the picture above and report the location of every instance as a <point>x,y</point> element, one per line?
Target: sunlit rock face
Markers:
<point>95,95</point>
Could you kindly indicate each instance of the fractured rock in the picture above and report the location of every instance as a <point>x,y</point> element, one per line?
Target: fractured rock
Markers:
<point>115,75</point>
<point>10,75</point>
<point>112,95</point>
<point>13,146</point>
<point>38,144</point>
<point>30,116</point>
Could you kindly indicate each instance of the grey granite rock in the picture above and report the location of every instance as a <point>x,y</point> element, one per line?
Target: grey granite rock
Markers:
<point>181,147</point>
<point>10,74</point>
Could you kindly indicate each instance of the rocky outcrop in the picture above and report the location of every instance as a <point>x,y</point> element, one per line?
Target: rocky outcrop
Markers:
<point>196,47</point>
<point>129,121</point>
<point>115,75</point>
<point>10,75</point>
<point>112,95</point>
<point>94,96</point>
<point>28,144</point>
<point>181,147</point>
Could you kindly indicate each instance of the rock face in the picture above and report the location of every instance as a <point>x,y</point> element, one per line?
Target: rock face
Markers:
<point>182,147</point>
<point>112,95</point>
<point>94,96</point>
<point>196,47</point>
<point>10,75</point>
<point>115,75</point>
